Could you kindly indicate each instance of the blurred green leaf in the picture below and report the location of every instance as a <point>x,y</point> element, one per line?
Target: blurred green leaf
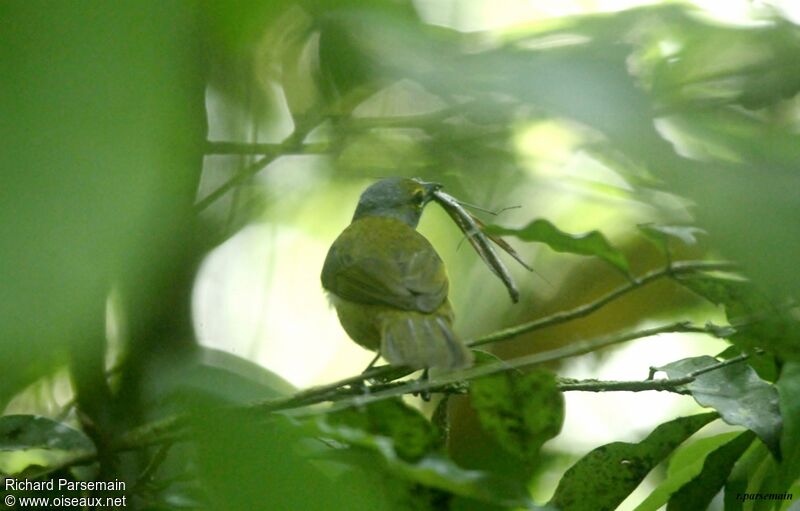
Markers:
<point>759,320</point>
<point>19,432</point>
<point>433,470</point>
<point>346,63</point>
<point>272,467</point>
<point>698,493</point>
<point>684,465</point>
<point>720,63</point>
<point>602,479</point>
<point>737,393</point>
<point>211,374</point>
<point>102,132</point>
<point>30,445</point>
<point>592,243</point>
<point>746,205</point>
<point>520,410</point>
<point>789,390</point>
<point>661,235</point>
<point>412,435</point>
<point>399,493</point>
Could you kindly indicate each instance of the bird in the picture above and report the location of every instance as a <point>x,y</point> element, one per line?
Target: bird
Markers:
<point>388,284</point>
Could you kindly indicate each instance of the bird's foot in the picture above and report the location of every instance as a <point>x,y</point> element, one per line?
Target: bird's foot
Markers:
<point>424,394</point>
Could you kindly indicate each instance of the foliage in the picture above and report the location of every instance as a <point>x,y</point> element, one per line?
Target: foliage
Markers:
<point>737,393</point>
<point>590,243</point>
<point>604,477</point>
<point>106,206</point>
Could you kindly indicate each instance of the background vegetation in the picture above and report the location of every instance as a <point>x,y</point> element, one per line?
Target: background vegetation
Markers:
<point>173,175</point>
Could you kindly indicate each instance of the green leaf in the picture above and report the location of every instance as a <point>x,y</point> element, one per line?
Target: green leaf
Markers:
<point>759,322</point>
<point>698,493</point>
<point>738,295</point>
<point>30,445</point>
<point>591,243</point>
<point>411,434</point>
<point>434,470</point>
<point>109,196</point>
<point>602,479</point>
<point>737,393</point>
<point>660,235</point>
<point>244,461</point>
<point>685,465</point>
<point>747,472</point>
<point>521,411</point>
<point>765,364</point>
<point>768,480</point>
<point>209,373</point>
<point>20,432</point>
<point>789,391</point>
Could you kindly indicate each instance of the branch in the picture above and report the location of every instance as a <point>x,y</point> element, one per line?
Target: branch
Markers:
<point>719,365</point>
<point>345,394</point>
<point>584,310</point>
<point>352,392</point>
<point>380,392</point>
<point>312,395</point>
<point>291,144</point>
<point>670,385</point>
<point>223,147</point>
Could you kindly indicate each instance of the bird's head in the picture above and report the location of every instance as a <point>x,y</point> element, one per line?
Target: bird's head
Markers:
<point>396,197</point>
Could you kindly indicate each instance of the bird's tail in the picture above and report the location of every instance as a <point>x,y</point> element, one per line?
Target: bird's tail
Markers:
<point>423,340</point>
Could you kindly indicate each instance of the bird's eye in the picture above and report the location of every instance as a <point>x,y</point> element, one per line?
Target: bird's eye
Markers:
<point>419,197</point>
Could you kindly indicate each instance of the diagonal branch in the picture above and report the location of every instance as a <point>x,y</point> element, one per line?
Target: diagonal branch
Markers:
<point>173,429</point>
<point>351,391</point>
<point>242,148</point>
<point>380,392</point>
<point>290,145</point>
<point>584,310</point>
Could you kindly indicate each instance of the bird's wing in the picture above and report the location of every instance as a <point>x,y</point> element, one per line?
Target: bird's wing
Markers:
<point>383,261</point>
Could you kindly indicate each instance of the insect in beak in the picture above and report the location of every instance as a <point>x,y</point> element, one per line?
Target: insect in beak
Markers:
<point>472,228</point>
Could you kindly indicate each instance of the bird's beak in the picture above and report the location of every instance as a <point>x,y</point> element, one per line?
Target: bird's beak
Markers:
<point>430,188</point>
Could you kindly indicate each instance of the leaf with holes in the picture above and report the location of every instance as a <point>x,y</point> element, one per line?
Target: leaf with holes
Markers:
<point>412,435</point>
<point>684,465</point>
<point>521,411</point>
<point>433,470</point>
<point>605,477</point>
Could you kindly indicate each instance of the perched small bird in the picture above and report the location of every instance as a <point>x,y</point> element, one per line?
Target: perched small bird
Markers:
<point>388,284</point>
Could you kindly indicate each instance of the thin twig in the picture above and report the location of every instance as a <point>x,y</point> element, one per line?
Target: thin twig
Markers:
<point>237,179</point>
<point>670,385</point>
<point>155,463</point>
<point>584,310</point>
<point>171,429</point>
<point>347,393</point>
<point>311,395</point>
<point>243,148</point>
<point>719,365</point>
<point>378,393</point>
<point>290,145</point>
